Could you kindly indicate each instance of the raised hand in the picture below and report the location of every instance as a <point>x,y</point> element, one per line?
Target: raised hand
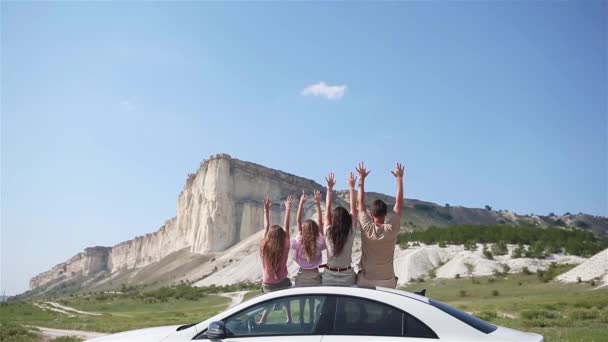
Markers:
<point>331,181</point>
<point>267,203</point>
<point>288,202</point>
<point>399,170</point>
<point>317,196</point>
<point>363,172</point>
<point>304,197</point>
<point>351,180</point>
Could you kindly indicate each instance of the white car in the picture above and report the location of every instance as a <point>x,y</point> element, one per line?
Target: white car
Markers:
<point>332,314</point>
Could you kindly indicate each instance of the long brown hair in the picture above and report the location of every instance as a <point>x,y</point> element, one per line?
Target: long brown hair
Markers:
<point>310,232</point>
<point>271,248</point>
<point>341,226</point>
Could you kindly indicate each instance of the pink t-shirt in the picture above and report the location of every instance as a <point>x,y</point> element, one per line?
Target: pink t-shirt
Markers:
<point>301,259</point>
<point>267,277</point>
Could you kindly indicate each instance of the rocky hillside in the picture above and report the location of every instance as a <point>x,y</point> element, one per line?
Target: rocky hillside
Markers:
<point>221,205</point>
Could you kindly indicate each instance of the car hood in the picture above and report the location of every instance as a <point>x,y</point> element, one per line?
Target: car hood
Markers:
<point>149,335</point>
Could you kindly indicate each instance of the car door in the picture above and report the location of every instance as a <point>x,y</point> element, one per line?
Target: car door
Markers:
<point>270,321</point>
<point>359,319</point>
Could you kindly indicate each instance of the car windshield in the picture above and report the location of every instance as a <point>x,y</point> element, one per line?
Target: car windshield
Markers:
<point>471,320</point>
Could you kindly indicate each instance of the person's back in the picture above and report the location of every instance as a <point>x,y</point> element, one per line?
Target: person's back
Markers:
<point>378,238</point>
<point>339,238</point>
<point>377,251</point>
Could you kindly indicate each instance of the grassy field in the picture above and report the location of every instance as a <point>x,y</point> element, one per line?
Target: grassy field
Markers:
<point>117,314</point>
<point>14,332</point>
<point>560,312</point>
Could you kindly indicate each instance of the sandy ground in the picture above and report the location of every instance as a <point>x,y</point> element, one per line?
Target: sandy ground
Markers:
<point>62,309</point>
<point>595,267</point>
<point>49,333</point>
<point>69,309</point>
<point>46,307</point>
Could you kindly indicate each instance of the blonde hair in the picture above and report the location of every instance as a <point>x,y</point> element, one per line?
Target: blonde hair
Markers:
<point>310,232</point>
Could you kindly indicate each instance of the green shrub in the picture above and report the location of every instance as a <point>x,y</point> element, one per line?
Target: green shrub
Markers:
<point>442,244</point>
<point>463,293</point>
<point>487,315</point>
<point>584,314</point>
<point>14,332</point>
<point>536,250</point>
<point>499,248</point>
<point>551,272</point>
<point>495,293</point>
<point>535,314</point>
<point>470,245</point>
<point>604,315</point>
<point>470,267</point>
<point>67,339</point>
<point>519,251</point>
<point>486,253</point>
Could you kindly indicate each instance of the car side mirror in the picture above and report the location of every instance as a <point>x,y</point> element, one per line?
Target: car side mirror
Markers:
<point>216,330</point>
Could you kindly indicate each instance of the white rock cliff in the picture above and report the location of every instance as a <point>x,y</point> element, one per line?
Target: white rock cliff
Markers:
<point>220,205</point>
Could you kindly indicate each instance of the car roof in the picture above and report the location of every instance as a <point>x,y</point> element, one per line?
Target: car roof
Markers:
<point>356,290</point>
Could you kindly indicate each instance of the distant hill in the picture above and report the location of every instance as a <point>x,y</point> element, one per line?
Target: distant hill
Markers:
<point>220,207</point>
<point>420,214</point>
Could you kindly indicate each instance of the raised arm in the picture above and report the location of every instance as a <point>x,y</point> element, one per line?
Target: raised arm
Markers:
<point>288,203</point>
<point>398,173</point>
<point>317,198</point>
<point>331,181</point>
<point>353,200</point>
<point>266,215</point>
<point>362,174</point>
<point>300,209</point>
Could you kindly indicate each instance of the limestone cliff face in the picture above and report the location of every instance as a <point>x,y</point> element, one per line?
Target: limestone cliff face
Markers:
<point>92,260</point>
<point>221,204</point>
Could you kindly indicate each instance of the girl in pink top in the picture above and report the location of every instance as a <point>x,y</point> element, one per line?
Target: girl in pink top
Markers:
<point>308,245</point>
<point>274,250</point>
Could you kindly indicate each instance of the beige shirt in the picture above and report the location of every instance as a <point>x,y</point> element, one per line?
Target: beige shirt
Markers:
<point>378,247</point>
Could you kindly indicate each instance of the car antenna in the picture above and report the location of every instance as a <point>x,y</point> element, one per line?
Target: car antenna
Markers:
<point>421,292</point>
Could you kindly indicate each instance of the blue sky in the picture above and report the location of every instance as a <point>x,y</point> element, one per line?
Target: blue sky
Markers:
<point>106,107</point>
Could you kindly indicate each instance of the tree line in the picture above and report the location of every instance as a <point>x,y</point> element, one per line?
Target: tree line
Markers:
<point>540,241</point>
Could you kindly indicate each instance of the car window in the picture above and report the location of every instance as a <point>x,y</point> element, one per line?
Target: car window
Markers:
<point>358,316</point>
<point>296,315</point>
<point>415,328</point>
<point>471,320</point>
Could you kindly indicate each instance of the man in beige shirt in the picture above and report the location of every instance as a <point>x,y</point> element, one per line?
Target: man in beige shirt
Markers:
<point>378,239</point>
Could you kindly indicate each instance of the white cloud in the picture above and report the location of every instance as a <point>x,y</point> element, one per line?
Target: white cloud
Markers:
<point>330,92</point>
